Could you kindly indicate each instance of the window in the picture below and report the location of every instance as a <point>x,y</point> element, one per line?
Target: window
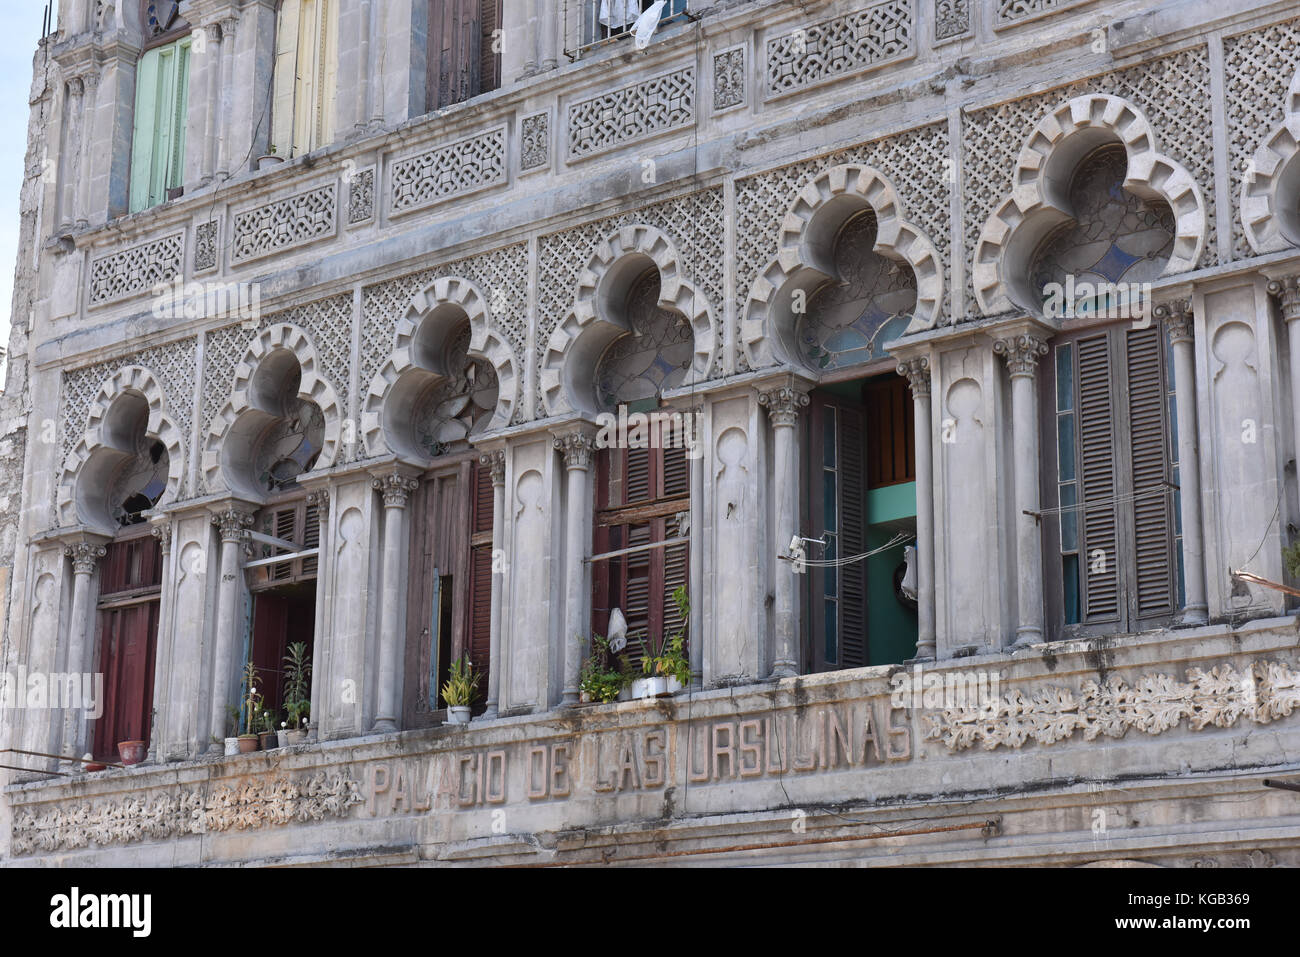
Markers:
<point>603,21</point>
<point>464,55</point>
<point>161,102</point>
<point>130,587</point>
<point>306,76</point>
<point>1116,532</point>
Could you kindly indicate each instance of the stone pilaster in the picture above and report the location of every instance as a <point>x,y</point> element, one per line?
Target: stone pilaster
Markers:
<point>577,448</point>
<point>396,488</point>
<point>495,461</point>
<point>232,522</point>
<point>783,404</point>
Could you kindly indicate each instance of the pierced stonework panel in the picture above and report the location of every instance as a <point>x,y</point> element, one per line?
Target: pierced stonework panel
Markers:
<point>535,141</point>
<point>916,161</point>
<point>206,242</point>
<point>695,224</point>
<point>137,269</point>
<point>882,33</point>
<point>501,278</point>
<point>728,79</point>
<point>457,169</point>
<point>285,223</point>
<point>632,113</point>
<point>1014,11</point>
<point>1172,93</point>
<point>951,18</point>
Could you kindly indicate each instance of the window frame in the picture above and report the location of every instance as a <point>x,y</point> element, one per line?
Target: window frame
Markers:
<point>144,186</point>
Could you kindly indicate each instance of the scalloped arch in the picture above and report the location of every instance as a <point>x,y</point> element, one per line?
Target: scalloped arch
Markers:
<point>484,343</point>
<point>587,320</point>
<point>290,338</point>
<point>1037,203</point>
<point>1270,193</point>
<point>136,380</point>
<point>803,261</point>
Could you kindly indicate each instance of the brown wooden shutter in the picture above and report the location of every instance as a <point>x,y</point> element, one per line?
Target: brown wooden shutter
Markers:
<point>852,538</point>
<point>480,572</point>
<point>1155,571</point>
<point>637,485</point>
<point>456,38</point>
<point>128,638</point>
<point>311,537</point>
<point>1099,560</point>
<point>489,61</point>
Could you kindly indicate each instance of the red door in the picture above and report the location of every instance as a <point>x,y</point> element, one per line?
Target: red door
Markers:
<point>128,638</point>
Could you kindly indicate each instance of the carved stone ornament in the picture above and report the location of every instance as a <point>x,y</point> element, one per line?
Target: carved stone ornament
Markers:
<point>396,489</point>
<point>1153,704</point>
<point>255,803</point>
<point>85,556</point>
<point>1021,352</point>
<point>577,448</point>
<point>496,461</point>
<point>783,404</point>
<point>232,523</point>
<point>917,373</point>
<point>1177,319</point>
<point>1288,292</point>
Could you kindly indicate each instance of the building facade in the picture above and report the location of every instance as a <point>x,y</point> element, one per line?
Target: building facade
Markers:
<point>925,367</point>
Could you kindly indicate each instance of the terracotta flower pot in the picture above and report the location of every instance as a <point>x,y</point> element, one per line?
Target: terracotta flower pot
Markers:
<point>247,743</point>
<point>267,740</point>
<point>131,752</point>
<point>94,766</point>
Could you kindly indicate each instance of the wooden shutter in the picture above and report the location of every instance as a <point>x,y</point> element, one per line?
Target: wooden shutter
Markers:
<point>480,572</point>
<point>146,112</point>
<point>1155,573</point>
<point>128,639</point>
<point>489,60</point>
<point>158,139</point>
<point>285,82</point>
<point>457,37</point>
<point>852,538</point>
<point>1097,473</point>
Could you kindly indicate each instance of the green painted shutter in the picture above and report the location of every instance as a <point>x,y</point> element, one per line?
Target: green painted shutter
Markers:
<point>161,103</point>
<point>146,111</point>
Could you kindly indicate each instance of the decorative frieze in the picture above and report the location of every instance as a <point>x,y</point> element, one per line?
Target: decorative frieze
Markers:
<point>1153,704</point>
<point>632,113</point>
<point>136,269</point>
<point>845,45</point>
<point>457,169</point>
<point>253,803</point>
<point>1014,11</point>
<point>285,223</point>
<point>728,79</point>
<point>535,141</point>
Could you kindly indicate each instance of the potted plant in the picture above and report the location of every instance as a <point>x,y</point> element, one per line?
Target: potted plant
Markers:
<point>252,704</point>
<point>131,752</point>
<point>297,692</point>
<point>666,666</point>
<point>266,736</point>
<point>231,740</point>
<point>270,159</point>
<point>459,690</point>
<point>604,677</point>
<point>282,735</point>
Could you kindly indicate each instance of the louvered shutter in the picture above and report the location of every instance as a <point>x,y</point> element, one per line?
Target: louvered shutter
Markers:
<point>852,538</point>
<point>637,484</point>
<point>480,589</point>
<point>1155,571</point>
<point>489,59</point>
<point>284,525</point>
<point>285,83</point>
<point>1099,561</point>
<point>146,112</point>
<point>311,538</point>
<point>175,176</point>
<point>328,85</point>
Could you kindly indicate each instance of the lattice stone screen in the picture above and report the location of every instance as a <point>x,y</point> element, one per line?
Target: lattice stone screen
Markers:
<point>456,169</point>
<point>850,44</point>
<point>286,223</point>
<point>631,113</point>
<point>136,269</point>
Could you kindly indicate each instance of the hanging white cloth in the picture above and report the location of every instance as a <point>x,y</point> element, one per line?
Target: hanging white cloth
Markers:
<point>618,13</point>
<point>646,23</point>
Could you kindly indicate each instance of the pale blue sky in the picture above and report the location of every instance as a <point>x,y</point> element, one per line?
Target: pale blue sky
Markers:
<point>20,31</point>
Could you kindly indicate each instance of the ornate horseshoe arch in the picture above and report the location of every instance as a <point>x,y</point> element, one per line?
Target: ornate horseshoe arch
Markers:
<point>1038,204</point>
<point>578,342</point>
<point>313,386</point>
<point>1270,194</point>
<point>804,260</point>
<point>129,380</point>
<point>447,302</point>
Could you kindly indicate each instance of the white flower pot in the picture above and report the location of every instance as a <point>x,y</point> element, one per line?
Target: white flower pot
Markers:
<point>625,694</point>
<point>673,686</point>
<point>458,714</point>
<point>232,746</point>
<point>649,687</point>
<point>282,739</point>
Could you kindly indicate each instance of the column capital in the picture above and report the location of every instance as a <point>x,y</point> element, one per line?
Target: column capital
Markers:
<point>496,461</point>
<point>917,372</point>
<point>1177,318</point>
<point>1287,290</point>
<point>85,556</point>
<point>163,532</point>
<point>319,497</point>
<point>1022,352</point>
<point>576,448</point>
<point>396,488</point>
<point>233,522</point>
<point>783,404</point>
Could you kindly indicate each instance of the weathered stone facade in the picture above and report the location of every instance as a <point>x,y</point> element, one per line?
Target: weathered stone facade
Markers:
<point>422,261</point>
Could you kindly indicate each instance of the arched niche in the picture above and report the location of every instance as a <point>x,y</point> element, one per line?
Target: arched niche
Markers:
<point>130,460</point>
<point>450,377</point>
<point>844,206</point>
<point>1040,203</point>
<point>620,266</point>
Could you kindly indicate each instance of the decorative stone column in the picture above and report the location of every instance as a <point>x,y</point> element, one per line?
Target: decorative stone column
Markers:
<point>233,523</point>
<point>84,158</point>
<point>162,656</point>
<point>1022,353</point>
<point>226,80</point>
<point>917,372</point>
<point>1288,293</point>
<point>496,461</point>
<point>71,156</point>
<point>783,405</point>
<point>85,557</point>
<point>320,497</point>
<point>396,489</point>
<point>577,448</point>
<point>212,92</point>
<point>1179,323</point>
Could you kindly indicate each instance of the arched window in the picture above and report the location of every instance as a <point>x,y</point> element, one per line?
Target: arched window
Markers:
<point>1109,416</point>
<point>860,470</point>
<point>643,488</point>
<point>431,416</point>
<point>306,76</point>
<point>161,103</point>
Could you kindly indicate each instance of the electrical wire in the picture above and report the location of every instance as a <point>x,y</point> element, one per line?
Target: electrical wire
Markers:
<point>897,540</point>
<point>1151,491</point>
